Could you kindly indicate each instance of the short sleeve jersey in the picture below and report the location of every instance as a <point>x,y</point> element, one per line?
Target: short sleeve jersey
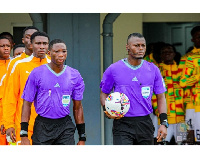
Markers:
<point>52,92</point>
<point>138,83</point>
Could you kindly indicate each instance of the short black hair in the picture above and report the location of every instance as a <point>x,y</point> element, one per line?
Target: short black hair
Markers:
<point>4,34</point>
<point>2,37</point>
<point>29,27</point>
<point>55,41</point>
<point>18,45</point>
<point>38,34</point>
<point>177,56</point>
<point>168,45</point>
<point>135,35</point>
<point>194,30</point>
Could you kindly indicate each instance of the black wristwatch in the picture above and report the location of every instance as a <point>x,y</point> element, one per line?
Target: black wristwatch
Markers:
<point>165,123</point>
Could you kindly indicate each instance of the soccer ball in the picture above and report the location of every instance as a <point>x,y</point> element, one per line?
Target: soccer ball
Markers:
<point>117,104</point>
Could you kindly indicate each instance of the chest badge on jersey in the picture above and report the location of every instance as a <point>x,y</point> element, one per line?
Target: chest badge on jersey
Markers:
<point>65,100</point>
<point>145,92</point>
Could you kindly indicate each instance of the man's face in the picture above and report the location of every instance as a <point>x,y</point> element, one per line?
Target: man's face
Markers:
<point>5,48</point>
<point>18,51</point>
<point>11,41</point>
<point>167,54</point>
<point>27,38</point>
<point>40,46</point>
<point>136,47</point>
<point>196,39</point>
<point>58,53</point>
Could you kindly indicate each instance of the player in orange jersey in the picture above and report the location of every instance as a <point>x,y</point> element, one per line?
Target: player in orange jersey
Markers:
<point>16,83</point>
<point>27,32</point>
<point>5,48</point>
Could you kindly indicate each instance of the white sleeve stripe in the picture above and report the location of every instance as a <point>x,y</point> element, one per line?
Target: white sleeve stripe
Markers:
<point>21,61</point>
<point>13,59</point>
<point>48,60</point>
<point>2,79</point>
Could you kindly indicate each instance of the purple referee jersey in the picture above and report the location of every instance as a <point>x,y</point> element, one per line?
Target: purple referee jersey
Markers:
<point>138,83</point>
<point>52,92</point>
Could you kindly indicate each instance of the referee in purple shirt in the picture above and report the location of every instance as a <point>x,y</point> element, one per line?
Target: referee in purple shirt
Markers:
<point>52,87</point>
<point>138,79</point>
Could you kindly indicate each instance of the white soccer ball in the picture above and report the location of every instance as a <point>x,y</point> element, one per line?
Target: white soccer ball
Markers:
<point>117,104</point>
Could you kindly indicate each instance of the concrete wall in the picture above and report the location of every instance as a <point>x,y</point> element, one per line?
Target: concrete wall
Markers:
<point>81,33</point>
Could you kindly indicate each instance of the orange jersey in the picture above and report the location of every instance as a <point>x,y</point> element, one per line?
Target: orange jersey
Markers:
<point>3,68</point>
<point>16,82</point>
<point>10,65</point>
<point>9,68</point>
<point>5,78</point>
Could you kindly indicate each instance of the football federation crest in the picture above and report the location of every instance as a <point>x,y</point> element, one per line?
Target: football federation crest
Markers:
<point>65,100</point>
<point>145,92</point>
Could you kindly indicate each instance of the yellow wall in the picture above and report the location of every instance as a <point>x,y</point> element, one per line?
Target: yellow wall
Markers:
<point>7,20</point>
<point>124,25</point>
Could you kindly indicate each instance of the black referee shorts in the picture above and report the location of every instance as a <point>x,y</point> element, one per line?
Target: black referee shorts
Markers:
<point>53,131</point>
<point>133,131</point>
